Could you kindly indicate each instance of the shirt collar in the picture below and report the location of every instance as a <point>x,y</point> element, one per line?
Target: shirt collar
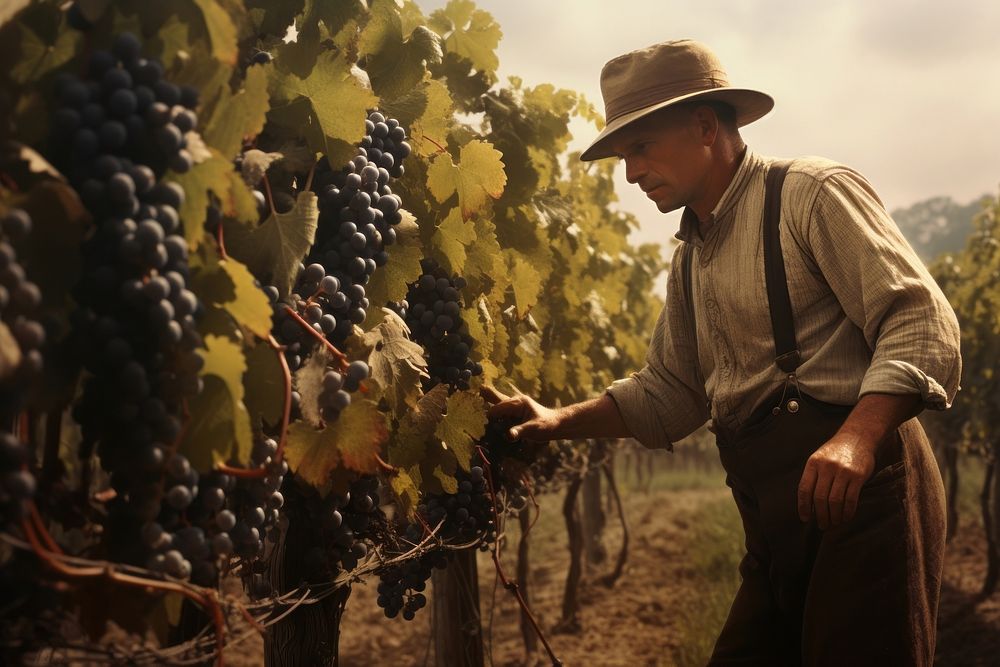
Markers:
<point>689,227</point>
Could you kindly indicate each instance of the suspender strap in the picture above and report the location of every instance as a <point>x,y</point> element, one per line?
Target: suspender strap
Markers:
<point>786,351</point>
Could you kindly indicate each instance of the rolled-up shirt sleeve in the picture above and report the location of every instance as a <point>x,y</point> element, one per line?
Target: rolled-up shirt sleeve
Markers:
<point>665,400</point>
<point>886,291</point>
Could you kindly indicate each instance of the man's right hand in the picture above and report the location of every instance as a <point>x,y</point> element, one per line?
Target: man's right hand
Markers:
<point>533,420</point>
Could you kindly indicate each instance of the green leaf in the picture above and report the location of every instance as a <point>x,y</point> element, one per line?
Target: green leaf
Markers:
<point>391,282</point>
<point>227,284</point>
<point>405,490</point>
<point>221,31</point>
<point>353,442</point>
<point>479,176</point>
<point>463,425</point>
<point>330,104</point>
<point>273,250</point>
<point>228,434</point>
<point>218,176</point>
<point>470,33</point>
<point>38,57</point>
<point>240,115</point>
<point>452,238</point>
<point>394,64</point>
<point>428,113</point>
<point>265,385</point>
<point>397,363</point>
<point>527,284</point>
<point>410,441</point>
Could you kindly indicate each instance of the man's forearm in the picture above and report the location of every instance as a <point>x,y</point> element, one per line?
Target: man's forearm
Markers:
<point>595,418</point>
<point>877,415</point>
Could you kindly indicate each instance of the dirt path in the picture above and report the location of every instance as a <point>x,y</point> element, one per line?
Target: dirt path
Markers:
<point>643,619</point>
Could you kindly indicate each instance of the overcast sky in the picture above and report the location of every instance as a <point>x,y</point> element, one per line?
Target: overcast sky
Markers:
<point>907,92</point>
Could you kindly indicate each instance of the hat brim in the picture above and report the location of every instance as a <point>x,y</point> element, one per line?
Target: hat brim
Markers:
<point>750,105</point>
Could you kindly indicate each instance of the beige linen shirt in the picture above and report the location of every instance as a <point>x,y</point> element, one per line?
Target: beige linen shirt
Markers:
<point>868,316</point>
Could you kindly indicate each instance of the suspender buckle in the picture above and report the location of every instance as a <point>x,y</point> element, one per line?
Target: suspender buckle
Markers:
<point>788,361</point>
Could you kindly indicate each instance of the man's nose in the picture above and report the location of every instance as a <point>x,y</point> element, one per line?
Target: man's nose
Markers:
<point>634,170</point>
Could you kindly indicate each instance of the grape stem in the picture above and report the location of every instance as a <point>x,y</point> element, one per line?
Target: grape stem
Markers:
<point>441,149</point>
<point>511,586</point>
<point>220,240</point>
<point>387,468</point>
<point>337,354</point>
<point>270,195</point>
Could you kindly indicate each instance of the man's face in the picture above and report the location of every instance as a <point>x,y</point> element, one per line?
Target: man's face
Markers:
<point>664,155</point>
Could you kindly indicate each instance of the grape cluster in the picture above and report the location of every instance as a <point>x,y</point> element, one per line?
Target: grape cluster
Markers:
<point>401,587</point>
<point>466,514</point>
<point>255,502</point>
<point>337,388</point>
<point>191,532</point>
<point>358,215</point>
<point>19,300</point>
<point>341,526</point>
<point>17,484</point>
<point>115,134</point>
<point>432,310</point>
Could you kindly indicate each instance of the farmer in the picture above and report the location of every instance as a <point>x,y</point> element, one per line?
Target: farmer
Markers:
<point>810,345</point>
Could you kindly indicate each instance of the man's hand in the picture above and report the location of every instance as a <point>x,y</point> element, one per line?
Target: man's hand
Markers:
<point>832,480</point>
<point>534,420</point>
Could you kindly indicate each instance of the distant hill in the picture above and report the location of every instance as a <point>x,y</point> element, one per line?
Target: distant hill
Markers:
<point>936,225</point>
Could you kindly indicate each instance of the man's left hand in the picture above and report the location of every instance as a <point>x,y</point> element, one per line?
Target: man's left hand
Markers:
<point>832,480</point>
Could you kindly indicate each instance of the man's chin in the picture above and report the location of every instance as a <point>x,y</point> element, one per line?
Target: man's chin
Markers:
<point>667,206</point>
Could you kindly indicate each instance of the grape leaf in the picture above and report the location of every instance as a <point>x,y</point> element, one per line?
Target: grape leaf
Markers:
<point>273,250</point>
<point>232,435</point>
<point>479,176</point>
<point>406,491</point>
<point>218,176</point>
<point>10,353</point>
<point>36,56</point>
<point>272,18</point>
<point>397,363</point>
<point>464,423</point>
<point>429,132</point>
<point>227,284</point>
<point>470,33</point>
<point>353,442</point>
<point>265,385</point>
<point>484,261</point>
<point>335,97</point>
<point>410,440</point>
<point>390,282</point>
<point>241,114</point>
<point>255,165</point>
<point>527,283</point>
<point>221,31</point>
<point>309,384</point>
<point>394,64</point>
<point>451,239</point>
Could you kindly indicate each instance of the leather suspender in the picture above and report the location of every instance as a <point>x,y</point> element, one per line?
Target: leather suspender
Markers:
<point>786,351</point>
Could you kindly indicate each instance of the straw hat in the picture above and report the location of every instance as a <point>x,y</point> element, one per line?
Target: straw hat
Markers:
<point>638,83</point>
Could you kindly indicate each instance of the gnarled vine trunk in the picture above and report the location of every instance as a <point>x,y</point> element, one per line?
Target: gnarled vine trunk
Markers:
<point>457,626</point>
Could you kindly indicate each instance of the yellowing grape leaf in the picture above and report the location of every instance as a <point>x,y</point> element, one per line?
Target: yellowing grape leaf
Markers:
<point>336,96</point>
<point>225,360</point>
<point>397,363</point>
<point>274,249</point>
<point>227,284</point>
<point>478,176</point>
<point>240,115</point>
<point>265,385</point>
<point>452,237</point>
<point>217,175</point>
<point>352,443</point>
<point>463,425</point>
<point>484,261</point>
<point>527,283</point>
<point>429,132</point>
<point>394,64</point>
<point>309,384</point>
<point>470,33</point>
<point>411,440</point>
<point>221,31</point>
<point>406,491</point>
<point>390,282</point>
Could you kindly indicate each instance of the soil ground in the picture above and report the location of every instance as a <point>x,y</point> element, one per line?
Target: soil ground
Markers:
<point>664,610</point>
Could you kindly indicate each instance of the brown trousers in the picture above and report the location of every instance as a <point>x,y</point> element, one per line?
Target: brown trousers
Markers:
<point>862,593</point>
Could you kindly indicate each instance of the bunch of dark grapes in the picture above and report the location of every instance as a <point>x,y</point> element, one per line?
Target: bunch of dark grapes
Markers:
<point>255,502</point>
<point>358,215</point>
<point>191,532</point>
<point>465,515</point>
<point>115,134</point>
<point>401,587</point>
<point>432,311</point>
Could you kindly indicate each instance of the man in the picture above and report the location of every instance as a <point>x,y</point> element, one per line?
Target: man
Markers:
<point>810,344</point>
